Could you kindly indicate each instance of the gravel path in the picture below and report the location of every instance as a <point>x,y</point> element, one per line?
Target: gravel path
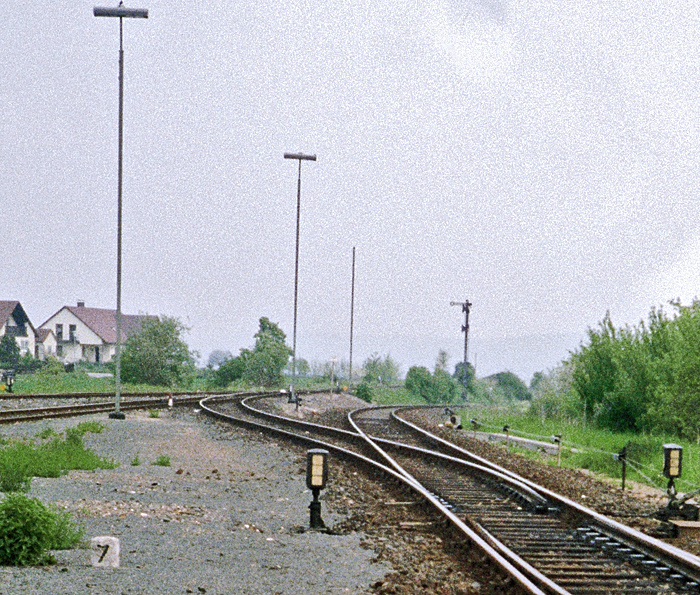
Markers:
<point>226,517</point>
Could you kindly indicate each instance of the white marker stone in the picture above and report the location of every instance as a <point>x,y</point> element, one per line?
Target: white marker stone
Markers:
<point>104,551</point>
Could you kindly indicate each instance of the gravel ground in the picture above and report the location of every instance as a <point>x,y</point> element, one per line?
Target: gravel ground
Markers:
<point>228,516</point>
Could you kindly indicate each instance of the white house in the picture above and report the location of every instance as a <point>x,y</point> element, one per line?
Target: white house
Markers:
<point>89,334</point>
<point>14,321</point>
<point>46,344</point>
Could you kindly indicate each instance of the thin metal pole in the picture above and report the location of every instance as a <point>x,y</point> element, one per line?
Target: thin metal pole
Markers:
<point>352,310</point>
<point>296,287</point>
<point>118,351</point>
<point>301,157</point>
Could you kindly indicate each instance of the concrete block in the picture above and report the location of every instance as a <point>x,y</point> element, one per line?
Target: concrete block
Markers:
<point>104,551</point>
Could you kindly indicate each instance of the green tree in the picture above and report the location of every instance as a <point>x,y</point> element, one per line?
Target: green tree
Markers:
<point>553,396</point>
<point>674,407</point>
<point>510,386</point>
<point>442,360</point>
<point>419,383</point>
<point>265,362</point>
<point>439,387</point>
<point>380,370</point>
<point>157,354</point>
<point>465,375</point>
<point>229,371</point>
<point>617,374</point>
<point>9,352</point>
<point>364,391</point>
<point>446,387</point>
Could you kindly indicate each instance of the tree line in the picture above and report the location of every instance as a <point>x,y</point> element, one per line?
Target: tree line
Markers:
<point>641,378</point>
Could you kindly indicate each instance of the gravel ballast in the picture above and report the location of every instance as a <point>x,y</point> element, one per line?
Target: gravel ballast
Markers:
<point>226,517</point>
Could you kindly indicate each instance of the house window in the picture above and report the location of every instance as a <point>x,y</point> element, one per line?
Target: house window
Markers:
<point>71,333</point>
<point>59,332</point>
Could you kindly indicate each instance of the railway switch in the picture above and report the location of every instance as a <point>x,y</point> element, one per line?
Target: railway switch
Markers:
<point>316,479</point>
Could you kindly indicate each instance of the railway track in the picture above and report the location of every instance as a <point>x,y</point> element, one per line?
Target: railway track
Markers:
<point>14,409</point>
<point>542,541</point>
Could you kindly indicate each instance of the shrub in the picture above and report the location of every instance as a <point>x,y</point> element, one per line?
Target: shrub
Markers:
<point>15,475</point>
<point>364,392</point>
<point>95,427</point>
<point>19,461</point>
<point>28,529</point>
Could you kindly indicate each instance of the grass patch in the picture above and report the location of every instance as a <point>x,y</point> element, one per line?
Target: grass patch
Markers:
<point>53,456</point>
<point>53,380</point>
<point>94,427</point>
<point>587,447</point>
<point>135,462</point>
<point>162,461</point>
<point>153,413</point>
<point>384,395</point>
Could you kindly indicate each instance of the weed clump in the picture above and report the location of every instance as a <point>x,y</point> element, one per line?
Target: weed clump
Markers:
<point>20,461</point>
<point>29,529</point>
<point>162,461</point>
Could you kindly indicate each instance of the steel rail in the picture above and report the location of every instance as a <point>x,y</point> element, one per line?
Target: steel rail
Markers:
<point>683,560</point>
<point>36,413</point>
<point>101,395</point>
<point>523,490</point>
<point>475,528</point>
<point>497,557</point>
<point>532,575</point>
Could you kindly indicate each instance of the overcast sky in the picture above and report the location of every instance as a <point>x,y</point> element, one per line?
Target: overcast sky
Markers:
<point>539,158</point>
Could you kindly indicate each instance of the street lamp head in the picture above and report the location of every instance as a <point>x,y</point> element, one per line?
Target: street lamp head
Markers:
<point>120,11</point>
<point>300,156</point>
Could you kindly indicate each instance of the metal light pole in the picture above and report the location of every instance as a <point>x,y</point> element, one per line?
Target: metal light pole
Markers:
<point>134,13</point>
<point>352,311</point>
<point>300,157</point>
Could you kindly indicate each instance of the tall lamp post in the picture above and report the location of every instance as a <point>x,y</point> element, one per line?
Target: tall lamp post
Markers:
<point>134,13</point>
<point>300,157</point>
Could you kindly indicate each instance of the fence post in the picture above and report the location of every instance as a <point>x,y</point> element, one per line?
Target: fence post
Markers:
<point>557,440</point>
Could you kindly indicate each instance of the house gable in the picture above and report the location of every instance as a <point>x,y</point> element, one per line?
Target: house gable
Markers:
<point>90,333</point>
<point>14,321</point>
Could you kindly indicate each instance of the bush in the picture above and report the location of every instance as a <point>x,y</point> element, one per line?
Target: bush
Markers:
<point>364,392</point>
<point>20,461</point>
<point>28,529</point>
<point>15,475</point>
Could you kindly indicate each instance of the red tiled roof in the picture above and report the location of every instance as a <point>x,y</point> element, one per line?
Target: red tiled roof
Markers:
<point>42,334</point>
<point>6,310</point>
<point>103,322</point>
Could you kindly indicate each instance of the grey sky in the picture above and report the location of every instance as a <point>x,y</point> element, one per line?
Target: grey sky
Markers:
<point>539,158</point>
